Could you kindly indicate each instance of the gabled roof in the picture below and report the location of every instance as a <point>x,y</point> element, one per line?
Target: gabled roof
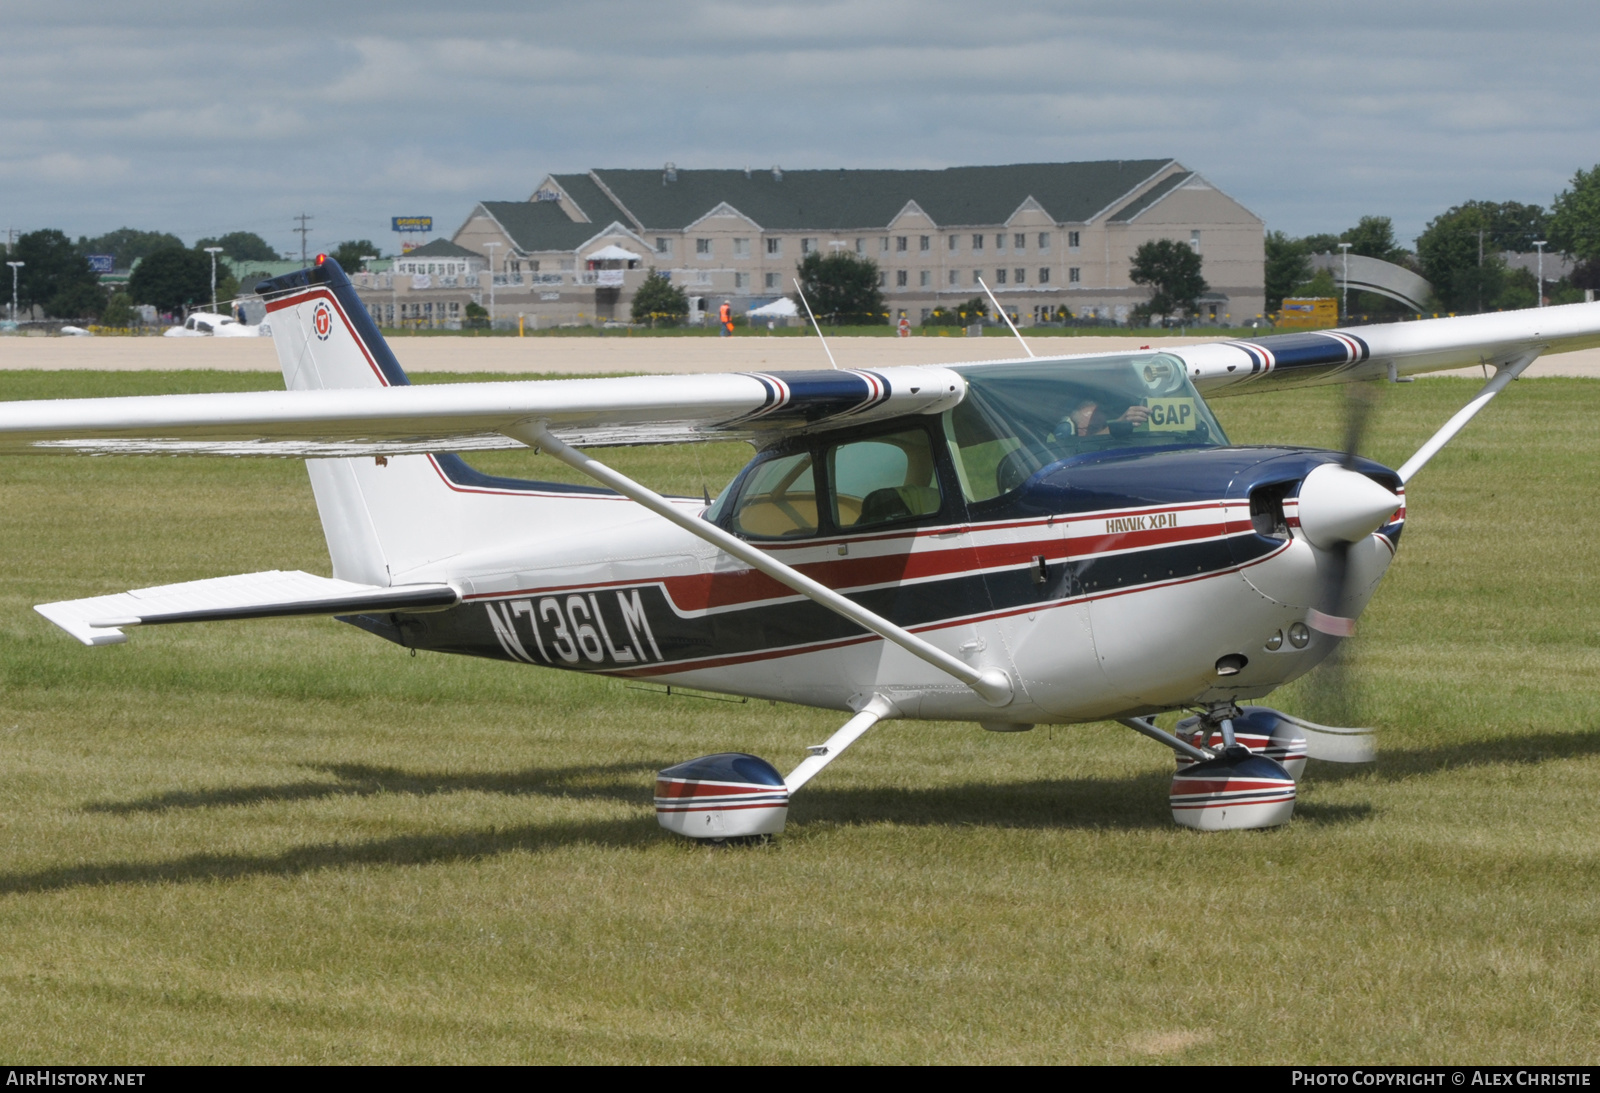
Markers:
<point>590,198</point>
<point>442,248</point>
<point>542,225</point>
<point>954,196</point>
<point>1151,196</point>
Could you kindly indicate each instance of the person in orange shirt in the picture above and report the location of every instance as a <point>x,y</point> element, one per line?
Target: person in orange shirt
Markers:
<point>725,317</point>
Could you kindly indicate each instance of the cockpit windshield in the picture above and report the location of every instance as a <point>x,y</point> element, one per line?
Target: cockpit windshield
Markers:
<point>1017,418</point>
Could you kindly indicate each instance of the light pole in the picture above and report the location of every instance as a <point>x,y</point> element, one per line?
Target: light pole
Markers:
<point>491,247</point>
<point>1540,243</point>
<point>14,267</point>
<point>213,251</point>
<point>1344,307</point>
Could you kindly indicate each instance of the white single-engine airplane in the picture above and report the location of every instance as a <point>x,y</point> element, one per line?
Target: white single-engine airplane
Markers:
<point>1047,540</point>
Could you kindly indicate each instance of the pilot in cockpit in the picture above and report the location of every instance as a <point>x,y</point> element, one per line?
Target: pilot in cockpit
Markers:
<point>1087,417</point>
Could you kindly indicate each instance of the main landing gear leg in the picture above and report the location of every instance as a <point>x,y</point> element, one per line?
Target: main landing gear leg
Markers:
<point>738,796</point>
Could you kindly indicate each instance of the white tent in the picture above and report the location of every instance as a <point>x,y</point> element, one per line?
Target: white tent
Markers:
<point>781,308</point>
<point>613,253</point>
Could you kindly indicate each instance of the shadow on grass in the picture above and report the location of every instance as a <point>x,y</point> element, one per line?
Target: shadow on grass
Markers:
<point>1136,803</point>
<point>1539,747</point>
<point>357,780</point>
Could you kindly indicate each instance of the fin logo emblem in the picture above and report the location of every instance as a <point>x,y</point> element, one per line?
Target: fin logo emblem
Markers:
<point>322,320</point>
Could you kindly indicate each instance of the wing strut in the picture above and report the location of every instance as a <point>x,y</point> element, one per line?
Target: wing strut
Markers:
<point>993,685</point>
<point>1503,375</point>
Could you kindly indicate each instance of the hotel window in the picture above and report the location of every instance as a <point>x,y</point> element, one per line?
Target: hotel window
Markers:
<point>861,246</point>
<point>1073,240</point>
<point>807,246</point>
<point>924,243</point>
<point>883,278</point>
<point>772,280</point>
<point>1044,275</point>
<point>702,246</point>
<point>1000,241</point>
<point>977,241</point>
<point>955,277</point>
<point>899,278</point>
<point>883,244</point>
<point>1019,241</point>
<point>999,276</point>
<point>741,248</point>
<point>1194,239</point>
<point>663,245</point>
<point>1044,240</point>
<point>925,278</point>
<point>455,309</point>
<point>774,247</point>
<point>955,243</point>
<point>900,243</point>
<point>1074,275</point>
<point>977,276</point>
<point>741,280</point>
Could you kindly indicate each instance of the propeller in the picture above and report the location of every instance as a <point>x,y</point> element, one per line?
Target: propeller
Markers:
<point>1340,507</point>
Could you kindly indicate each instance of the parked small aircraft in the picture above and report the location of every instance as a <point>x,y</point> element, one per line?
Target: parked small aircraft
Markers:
<point>1040,540</point>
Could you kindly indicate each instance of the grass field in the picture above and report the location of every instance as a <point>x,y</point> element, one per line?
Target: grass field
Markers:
<point>290,841</point>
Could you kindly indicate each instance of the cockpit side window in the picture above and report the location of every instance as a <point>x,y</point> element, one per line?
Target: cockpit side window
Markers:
<point>882,480</point>
<point>778,500</point>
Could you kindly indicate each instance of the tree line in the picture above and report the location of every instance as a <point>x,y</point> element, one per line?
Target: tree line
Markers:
<point>173,278</point>
<point>1460,253</point>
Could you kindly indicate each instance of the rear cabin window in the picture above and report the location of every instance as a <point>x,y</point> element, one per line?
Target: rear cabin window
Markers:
<point>779,500</point>
<point>883,480</point>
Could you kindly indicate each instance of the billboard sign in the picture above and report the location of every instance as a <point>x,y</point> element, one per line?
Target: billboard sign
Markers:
<point>412,223</point>
<point>102,263</point>
<point>1309,312</point>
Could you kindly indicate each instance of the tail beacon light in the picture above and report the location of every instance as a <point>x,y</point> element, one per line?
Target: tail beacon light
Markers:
<point>726,796</point>
<point>1340,506</point>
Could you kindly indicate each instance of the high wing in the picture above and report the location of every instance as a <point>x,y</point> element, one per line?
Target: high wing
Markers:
<point>348,395</point>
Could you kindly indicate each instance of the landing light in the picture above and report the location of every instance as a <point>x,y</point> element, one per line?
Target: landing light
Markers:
<point>1299,636</point>
<point>1275,642</point>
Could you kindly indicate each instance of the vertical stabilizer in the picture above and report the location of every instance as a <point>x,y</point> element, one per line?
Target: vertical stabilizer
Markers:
<point>326,339</point>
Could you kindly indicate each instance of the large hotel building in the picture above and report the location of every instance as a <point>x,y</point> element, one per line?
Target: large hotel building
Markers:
<point>1043,236</point>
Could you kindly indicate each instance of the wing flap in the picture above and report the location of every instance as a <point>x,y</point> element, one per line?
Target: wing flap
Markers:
<point>98,620</point>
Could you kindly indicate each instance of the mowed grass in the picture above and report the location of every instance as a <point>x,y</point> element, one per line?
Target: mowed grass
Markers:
<point>289,841</point>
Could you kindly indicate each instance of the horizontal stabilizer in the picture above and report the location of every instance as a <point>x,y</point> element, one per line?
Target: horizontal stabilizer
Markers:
<point>273,594</point>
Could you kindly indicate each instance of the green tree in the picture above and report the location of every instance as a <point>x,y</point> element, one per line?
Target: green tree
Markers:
<point>975,310</point>
<point>127,245</point>
<point>842,289</point>
<point>349,253</point>
<point>1288,264</point>
<point>55,275</point>
<point>119,311</point>
<point>243,247</point>
<point>477,317</point>
<point>1373,237</point>
<point>1172,271</point>
<point>659,302</point>
<point>171,279</point>
<point>1575,217</point>
<point>1457,257</point>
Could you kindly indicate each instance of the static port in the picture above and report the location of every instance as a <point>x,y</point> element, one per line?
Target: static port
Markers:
<point>1275,642</point>
<point>1299,636</point>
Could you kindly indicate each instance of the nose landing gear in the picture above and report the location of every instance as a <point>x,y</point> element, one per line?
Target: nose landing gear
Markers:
<point>1238,788</point>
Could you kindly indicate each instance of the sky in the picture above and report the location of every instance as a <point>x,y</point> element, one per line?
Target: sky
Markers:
<point>201,119</point>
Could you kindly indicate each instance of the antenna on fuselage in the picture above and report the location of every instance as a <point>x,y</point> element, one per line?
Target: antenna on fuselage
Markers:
<point>1002,313</point>
<point>814,323</point>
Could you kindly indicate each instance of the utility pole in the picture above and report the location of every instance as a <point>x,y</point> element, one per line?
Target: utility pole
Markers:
<point>303,230</point>
<point>214,251</point>
<point>1344,307</point>
<point>14,267</point>
<point>1541,243</point>
<point>491,246</point>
